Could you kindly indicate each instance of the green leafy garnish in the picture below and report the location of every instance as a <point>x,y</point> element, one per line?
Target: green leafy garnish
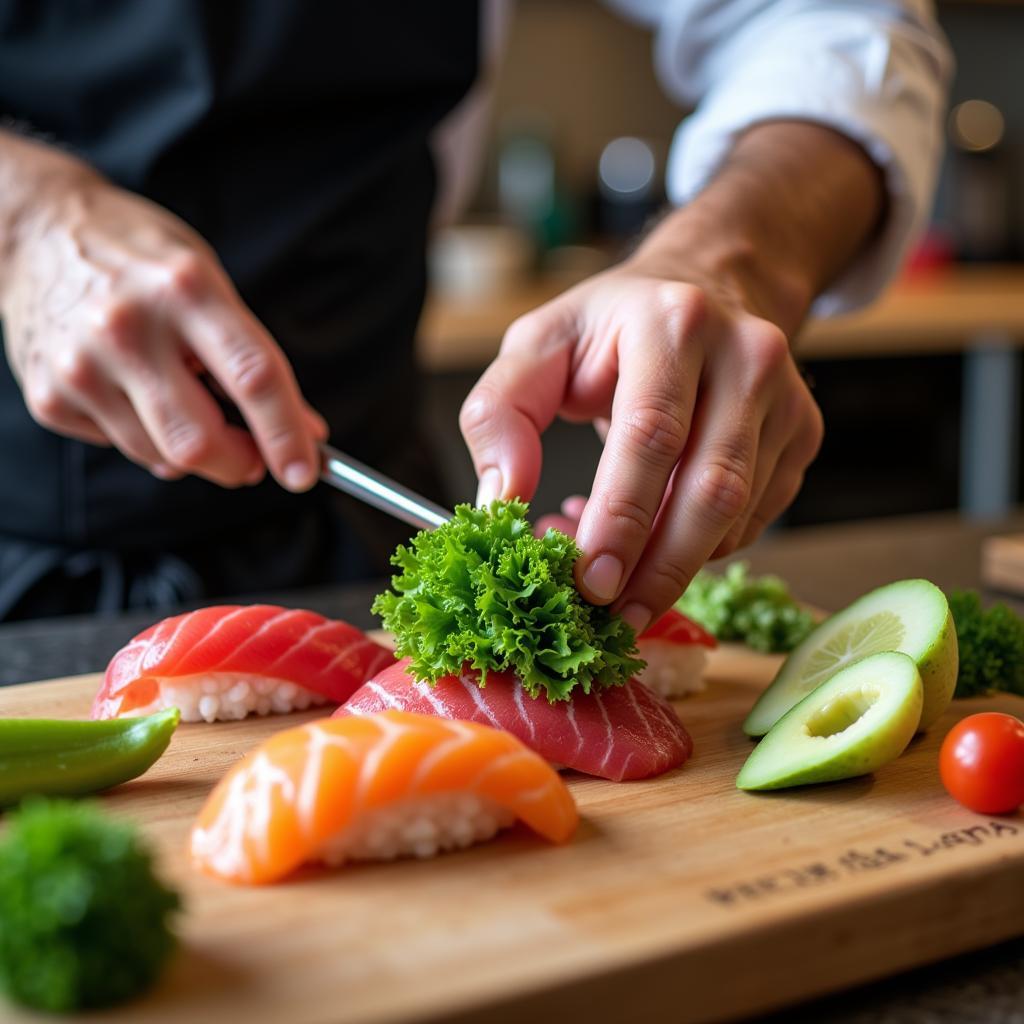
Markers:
<point>758,611</point>
<point>83,919</point>
<point>991,645</point>
<point>481,590</point>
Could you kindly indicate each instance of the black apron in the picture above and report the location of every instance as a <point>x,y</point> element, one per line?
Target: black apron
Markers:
<point>294,136</point>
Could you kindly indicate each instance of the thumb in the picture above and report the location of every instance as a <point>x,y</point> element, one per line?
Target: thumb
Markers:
<point>515,401</point>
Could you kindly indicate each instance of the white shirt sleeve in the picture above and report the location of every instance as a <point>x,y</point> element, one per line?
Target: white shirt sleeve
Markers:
<point>875,70</point>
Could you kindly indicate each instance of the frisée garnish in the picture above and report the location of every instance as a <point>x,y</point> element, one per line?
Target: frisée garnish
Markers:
<point>482,591</point>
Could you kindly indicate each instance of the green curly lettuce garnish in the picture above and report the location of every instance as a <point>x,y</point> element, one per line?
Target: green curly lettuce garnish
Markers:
<point>84,922</point>
<point>758,611</point>
<point>991,646</point>
<point>481,590</point>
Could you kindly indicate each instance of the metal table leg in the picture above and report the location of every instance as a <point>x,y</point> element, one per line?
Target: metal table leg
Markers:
<point>990,427</point>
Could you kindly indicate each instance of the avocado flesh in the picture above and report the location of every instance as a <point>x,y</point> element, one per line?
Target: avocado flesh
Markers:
<point>860,719</point>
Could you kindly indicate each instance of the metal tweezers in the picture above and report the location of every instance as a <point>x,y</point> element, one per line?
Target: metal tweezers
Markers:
<point>351,476</point>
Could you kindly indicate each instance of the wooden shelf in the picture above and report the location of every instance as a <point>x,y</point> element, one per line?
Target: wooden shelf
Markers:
<point>951,310</point>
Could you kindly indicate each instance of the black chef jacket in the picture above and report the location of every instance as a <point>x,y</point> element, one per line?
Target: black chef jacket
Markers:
<point>294,136</point>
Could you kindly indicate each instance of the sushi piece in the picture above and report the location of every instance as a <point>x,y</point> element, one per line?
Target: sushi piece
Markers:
<point>373,788</point>
<point>227,661</point>
<point>676,651</point>
<point>618,733</point>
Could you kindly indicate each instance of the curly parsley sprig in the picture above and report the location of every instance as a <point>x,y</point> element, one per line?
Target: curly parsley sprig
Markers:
<point>481,590</point>
<point>991,645</point>
<point>757,610</point>
<point>84,921</point>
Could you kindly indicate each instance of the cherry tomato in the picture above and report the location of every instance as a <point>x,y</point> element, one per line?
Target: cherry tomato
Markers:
<point>982,762</point>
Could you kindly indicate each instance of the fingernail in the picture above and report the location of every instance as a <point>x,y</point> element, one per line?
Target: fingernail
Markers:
<point>636,615</point>
<point>489,487</point>
<point>298,476</point>
<point>603,576</point>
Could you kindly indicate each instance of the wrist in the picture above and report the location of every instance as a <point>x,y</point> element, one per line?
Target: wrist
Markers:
<point>791,207</point>
<point>737,262</point>
<point>35,183</point>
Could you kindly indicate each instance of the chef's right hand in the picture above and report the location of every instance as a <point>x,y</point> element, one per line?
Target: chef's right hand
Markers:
<point>112,307</point>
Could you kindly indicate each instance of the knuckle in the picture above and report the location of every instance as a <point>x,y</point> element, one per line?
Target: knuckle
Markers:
<point>520,332</point>
<point>684,309</point>
<point>117,324</point>
<point>75,369</point>
<point>478,411</point>
<point>686,305</point>
<point>185,275</point>
<point>658,433</point>
<point>670,577</point>
<point>629,515</point>
<point>255,371</point>
<point>46,405</point>
<point>188,447</point>
<point>723,491</point>
<point>280,436</point>
<point>540,331</point>
<point>767,351</point>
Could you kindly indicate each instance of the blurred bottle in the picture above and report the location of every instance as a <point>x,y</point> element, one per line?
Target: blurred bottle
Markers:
<point>981,175</point>
<point>629,190</point>
<point>529,193</point>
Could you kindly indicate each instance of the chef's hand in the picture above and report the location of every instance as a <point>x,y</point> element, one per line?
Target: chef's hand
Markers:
<point>711,426</point>
<point>112,306</point>
<point>683,351</point>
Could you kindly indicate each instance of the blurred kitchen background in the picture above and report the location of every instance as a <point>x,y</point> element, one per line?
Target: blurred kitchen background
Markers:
<point>920,394</point>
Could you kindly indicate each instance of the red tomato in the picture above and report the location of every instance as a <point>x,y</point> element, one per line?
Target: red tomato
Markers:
<point>982,762</point>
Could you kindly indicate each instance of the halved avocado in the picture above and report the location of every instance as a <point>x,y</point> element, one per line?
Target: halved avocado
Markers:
<point>910,616</point>
<point>860,719</point>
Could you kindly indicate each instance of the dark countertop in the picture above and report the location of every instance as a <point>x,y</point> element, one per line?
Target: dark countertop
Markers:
<point>828,567</point>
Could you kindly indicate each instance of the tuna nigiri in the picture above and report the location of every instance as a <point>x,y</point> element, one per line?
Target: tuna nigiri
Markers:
<point>621,732</point>
<point>675,649</point>
<point>373,788</point>
<point>226,661</point>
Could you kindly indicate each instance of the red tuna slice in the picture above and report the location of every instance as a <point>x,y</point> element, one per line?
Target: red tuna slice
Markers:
<point>326,656</point>
<point>618,733</point>
<point>676,628</point>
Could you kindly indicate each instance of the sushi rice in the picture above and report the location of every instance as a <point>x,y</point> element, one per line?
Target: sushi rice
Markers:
<point>419,828</point>
<point>229,697</point>
<point>673,671</point>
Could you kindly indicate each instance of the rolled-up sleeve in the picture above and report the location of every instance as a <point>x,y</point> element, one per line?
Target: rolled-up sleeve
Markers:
<point>875,70</point>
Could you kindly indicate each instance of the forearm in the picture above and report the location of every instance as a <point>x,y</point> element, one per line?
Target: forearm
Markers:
<point>788,211</point>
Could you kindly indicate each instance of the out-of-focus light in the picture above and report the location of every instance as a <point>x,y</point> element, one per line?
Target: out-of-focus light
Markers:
<point>976,125</point>
<point>626,168</point>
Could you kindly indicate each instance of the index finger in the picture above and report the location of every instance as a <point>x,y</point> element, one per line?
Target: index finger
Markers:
<point>253,371</point>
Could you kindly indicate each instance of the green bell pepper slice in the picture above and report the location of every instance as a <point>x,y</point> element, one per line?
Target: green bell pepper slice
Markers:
<point>58,757</point>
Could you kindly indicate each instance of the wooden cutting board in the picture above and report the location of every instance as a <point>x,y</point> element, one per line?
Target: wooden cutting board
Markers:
<point>679,899</point>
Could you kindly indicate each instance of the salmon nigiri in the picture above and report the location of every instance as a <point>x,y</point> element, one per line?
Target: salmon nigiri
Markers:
<point>226,661</point>
<point>373,787</point>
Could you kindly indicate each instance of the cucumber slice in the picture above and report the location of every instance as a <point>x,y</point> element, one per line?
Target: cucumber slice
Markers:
<point>861,718</point>
<point>910,616</point>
